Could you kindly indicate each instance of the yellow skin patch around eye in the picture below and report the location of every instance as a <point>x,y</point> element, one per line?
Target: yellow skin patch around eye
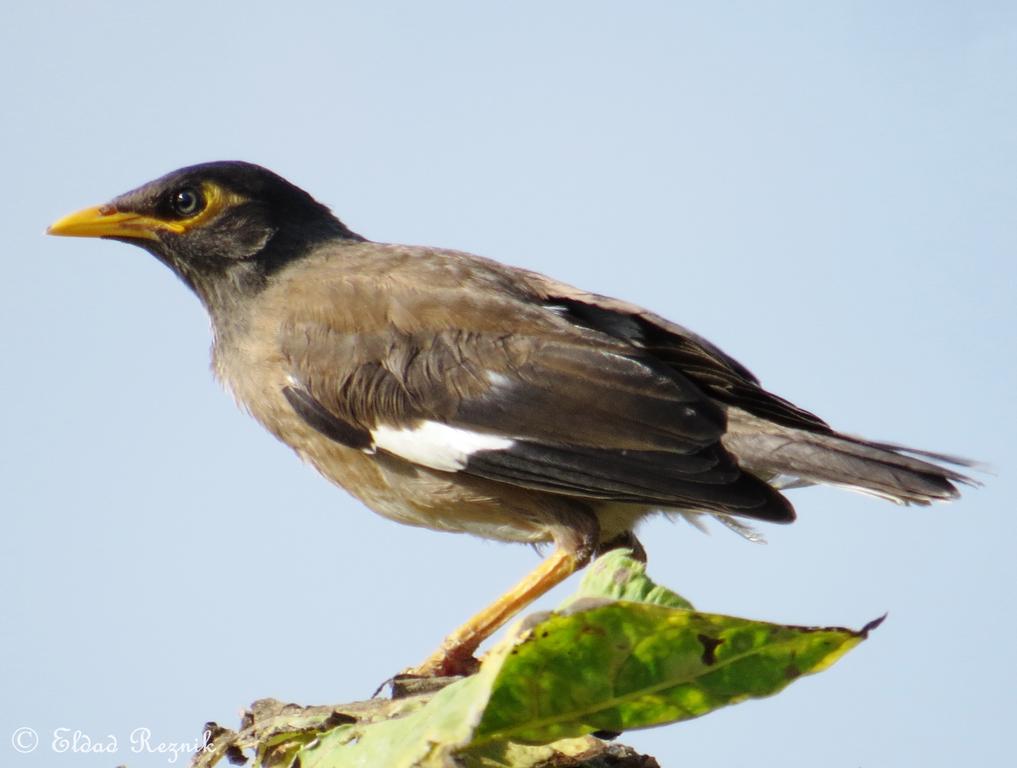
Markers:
<point>107,221</point>
<point>217,200</point>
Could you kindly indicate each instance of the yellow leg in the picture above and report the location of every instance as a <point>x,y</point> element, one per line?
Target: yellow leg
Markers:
<point>455,656</point>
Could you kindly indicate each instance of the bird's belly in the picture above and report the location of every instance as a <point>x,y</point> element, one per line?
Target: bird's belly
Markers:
<point>616,518</point>
<point>405,492</point>
<point>457,503</point>
<point>428,498</point>
<point>393,488</point>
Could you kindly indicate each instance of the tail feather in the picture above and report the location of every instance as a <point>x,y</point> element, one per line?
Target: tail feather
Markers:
<point>893,472</point>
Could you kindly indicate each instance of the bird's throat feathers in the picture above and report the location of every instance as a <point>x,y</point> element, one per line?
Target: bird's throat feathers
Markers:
<point>225,281</point>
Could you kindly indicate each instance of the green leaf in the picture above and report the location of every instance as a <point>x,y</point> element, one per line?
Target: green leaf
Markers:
<point>616,575</point>
<point>423,738</point>
<point>623,654</point>
<point>506,754</point>
<point>623,666</point>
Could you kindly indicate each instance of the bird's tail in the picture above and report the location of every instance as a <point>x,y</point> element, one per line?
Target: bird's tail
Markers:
<point>787,457</point>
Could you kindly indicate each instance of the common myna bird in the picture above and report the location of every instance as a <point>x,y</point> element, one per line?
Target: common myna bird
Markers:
<point>448,391</point>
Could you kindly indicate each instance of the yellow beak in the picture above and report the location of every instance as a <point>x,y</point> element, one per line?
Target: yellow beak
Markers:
<point>107,221</point>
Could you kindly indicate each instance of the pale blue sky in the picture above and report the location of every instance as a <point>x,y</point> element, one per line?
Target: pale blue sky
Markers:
<point>826,190</point>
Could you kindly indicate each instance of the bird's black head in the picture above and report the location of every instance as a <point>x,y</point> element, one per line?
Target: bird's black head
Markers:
<point>223,227</point>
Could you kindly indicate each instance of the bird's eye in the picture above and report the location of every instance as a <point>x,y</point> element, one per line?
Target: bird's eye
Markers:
<point>187,201</point>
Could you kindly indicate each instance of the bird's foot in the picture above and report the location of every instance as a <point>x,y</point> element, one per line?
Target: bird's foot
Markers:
<point>444,666</point>
<point>404,686</point>
<point>446,662</point>
<point>435,673</point>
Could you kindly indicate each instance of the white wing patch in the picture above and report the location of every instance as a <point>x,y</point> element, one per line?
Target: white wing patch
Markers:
<point>436,445</point>
<point>498,380</point>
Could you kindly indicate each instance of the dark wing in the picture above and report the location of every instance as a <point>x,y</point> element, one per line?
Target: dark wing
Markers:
<point>783,439</point>
<point>718,374</point>
<point>550,405</point>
